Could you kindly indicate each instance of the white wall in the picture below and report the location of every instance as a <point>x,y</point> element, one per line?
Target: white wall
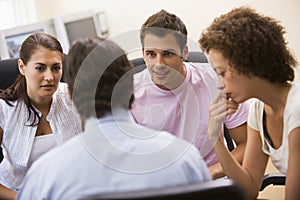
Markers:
<point>128,15</point>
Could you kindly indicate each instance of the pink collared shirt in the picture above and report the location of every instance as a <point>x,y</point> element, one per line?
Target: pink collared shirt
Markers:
<point>183,111</point>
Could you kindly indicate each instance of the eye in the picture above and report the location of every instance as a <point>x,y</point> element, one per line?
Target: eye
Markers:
<point>150,54</point>
<point>39,68</point>
<point>219,73</point>
<point>56,68</point>
<point>168,54</point>
<point>222,74</point>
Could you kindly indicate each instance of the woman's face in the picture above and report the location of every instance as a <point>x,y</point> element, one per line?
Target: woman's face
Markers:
<point>236,86</point>
<point>42,73</point>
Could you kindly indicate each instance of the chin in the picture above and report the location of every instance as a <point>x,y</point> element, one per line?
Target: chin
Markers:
<point>239,100</point>
<point>48,93</point>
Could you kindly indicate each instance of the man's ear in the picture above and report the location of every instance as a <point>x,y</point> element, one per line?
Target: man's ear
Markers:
<point>185,53</point>
<point>21,66</point>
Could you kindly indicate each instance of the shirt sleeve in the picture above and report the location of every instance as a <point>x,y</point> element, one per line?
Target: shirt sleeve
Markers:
<point>292,110</point>
<point>255,114</point>
<point>239,117</point>
<point>196,169</point>
<point>2,117</point>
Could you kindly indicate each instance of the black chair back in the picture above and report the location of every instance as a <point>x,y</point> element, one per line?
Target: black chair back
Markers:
<point>212,190</point>
<point>8,72</point>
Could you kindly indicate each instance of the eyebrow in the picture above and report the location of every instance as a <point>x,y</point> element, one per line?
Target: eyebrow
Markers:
<point>38,63</point>
<point>164,50</point>
<point>148,50</point>
<point>171,50</point>
<point>212,65</point>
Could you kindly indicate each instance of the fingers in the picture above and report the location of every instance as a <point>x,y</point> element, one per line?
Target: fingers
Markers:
<point>231,106</point>
<point>218,109</point>
<point>218,101</point>
<point>218,98</point>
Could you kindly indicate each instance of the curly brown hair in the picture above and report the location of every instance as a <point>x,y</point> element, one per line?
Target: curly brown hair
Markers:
<point>100,77</point>
<point>253,43</point>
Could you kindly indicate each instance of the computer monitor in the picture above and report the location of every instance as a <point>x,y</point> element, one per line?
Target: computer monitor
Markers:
<point>12,39</point>
<point>80,29</point>
<point>80,25</point>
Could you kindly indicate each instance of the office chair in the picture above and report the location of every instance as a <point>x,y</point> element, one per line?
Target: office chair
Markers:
<point>8,72</point>
<point>212,190</point>
<point>199,57</point>
<point>273,179</point>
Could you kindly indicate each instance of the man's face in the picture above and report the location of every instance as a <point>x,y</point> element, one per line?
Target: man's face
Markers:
<point>164,60</point>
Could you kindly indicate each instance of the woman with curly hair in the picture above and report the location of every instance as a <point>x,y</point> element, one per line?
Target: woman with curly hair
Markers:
<point>249,53</point>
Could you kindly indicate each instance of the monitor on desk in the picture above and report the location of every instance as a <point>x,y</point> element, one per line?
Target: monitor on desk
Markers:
<point>12,39</point>
<point>80,25</point>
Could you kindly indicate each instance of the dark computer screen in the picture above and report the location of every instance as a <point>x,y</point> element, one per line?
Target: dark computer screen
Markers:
<point>80,29</point>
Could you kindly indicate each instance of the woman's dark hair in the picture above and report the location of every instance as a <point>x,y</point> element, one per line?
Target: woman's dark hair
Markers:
<point>18,90</point>
<point>96,70</point>
<point>254,44</point>
<point>163,23</point>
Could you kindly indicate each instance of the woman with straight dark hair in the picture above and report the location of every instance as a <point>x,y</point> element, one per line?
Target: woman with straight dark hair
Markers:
<point>36,112</point>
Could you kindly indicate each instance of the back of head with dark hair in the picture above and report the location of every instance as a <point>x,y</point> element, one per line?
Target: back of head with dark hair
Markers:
<point>163,23</point>
<point>77,54</point>
<point>99,77</point>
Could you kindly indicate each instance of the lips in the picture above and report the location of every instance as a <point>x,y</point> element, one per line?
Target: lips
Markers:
<point>48,86</point>
<point>160,73</point>
<point>228,96</point>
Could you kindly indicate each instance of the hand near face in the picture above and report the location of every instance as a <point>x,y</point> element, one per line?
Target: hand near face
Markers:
<point>219,108</point>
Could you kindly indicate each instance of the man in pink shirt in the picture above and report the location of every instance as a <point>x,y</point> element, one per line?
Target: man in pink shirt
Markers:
<point>174,95</point>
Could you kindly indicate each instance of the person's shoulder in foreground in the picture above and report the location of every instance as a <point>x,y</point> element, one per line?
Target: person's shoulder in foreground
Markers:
<point>93,167</point>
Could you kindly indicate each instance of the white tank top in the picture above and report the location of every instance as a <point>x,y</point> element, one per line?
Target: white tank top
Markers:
<point>41,145</point>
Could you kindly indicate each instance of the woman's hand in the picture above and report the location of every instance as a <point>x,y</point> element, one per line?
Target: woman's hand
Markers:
<point>216,171</point>
<point>219,108</point>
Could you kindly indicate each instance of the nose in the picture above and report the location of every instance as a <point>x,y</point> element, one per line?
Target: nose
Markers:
<point>159,60</point>
<point>220,82</point>
<point>48,75</point>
